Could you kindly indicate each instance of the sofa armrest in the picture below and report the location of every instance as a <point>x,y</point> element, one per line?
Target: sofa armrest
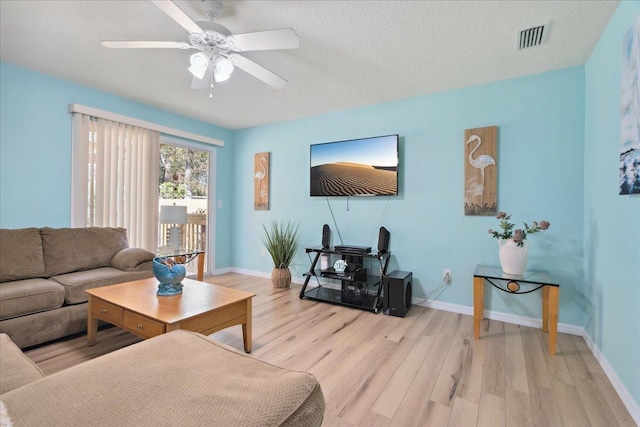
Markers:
<point>16,369</point>
<point>129,259</point>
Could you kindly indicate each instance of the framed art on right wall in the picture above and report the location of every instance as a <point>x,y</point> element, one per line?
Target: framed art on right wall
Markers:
<point>630,112</point>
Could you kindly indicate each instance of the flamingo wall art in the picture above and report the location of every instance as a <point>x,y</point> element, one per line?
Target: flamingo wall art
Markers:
<point>480,171</point>
<point>261,182</point>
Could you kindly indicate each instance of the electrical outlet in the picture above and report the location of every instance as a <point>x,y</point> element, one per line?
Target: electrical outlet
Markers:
<point>264,251</point>
<point>446,275</point>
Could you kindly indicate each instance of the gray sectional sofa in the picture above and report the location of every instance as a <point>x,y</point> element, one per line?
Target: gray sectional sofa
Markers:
<point>45,271</point>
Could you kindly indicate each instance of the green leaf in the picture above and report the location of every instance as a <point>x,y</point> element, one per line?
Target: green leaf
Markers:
<point>281,241</point>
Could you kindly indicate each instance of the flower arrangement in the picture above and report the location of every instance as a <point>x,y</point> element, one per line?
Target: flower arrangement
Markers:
<point>518,235</point>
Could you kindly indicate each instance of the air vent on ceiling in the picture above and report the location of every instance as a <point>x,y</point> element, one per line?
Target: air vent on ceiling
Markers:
<point>534,36</point>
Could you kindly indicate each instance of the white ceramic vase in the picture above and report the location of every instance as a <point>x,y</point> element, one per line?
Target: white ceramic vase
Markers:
<point>513,258</point>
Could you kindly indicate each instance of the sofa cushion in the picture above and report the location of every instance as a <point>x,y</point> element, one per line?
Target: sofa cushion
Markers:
<point>20,254</point>
<point>75,249</point>
<point>76,283</point>
<point>37,328</point>
<point>16,369</point>
<point>29,296</point>
<point>130,258</point>
<point>179,378</point>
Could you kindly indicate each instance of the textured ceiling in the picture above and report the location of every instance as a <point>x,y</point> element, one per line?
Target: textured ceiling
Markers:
<point>352,53</point>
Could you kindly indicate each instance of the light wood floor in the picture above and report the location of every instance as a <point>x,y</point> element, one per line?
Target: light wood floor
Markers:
<point>424,369</point>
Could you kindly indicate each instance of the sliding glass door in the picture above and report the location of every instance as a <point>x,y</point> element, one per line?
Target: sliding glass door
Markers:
<point>185,203</point>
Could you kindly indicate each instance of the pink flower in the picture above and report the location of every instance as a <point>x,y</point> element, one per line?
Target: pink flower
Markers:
<point>509,232</point>
<point>518,236</point>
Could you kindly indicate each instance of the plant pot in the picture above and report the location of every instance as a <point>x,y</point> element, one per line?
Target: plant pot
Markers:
<point>513,258</point>
<point>281,277</point>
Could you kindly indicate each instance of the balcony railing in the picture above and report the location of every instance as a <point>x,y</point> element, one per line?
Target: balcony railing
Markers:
<point>194,236</point>
<point>194,232</point>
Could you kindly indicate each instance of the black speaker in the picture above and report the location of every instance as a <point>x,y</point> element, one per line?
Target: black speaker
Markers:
<point>397,293</point>
<point>383,240</point>
<point>326,236</point>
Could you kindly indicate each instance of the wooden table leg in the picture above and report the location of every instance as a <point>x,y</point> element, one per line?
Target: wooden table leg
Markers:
<point>246,328</point>
<point>201,266</point>
<point>482,287</point>
<point>478,305</point>
<point>554,296</point>
<point>545,308</point>
<point>92,325</point>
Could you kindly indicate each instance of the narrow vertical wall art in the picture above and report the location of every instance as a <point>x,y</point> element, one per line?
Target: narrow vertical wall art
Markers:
<point>630,110</point>
<point>480,171</point>
<point>261,182</point>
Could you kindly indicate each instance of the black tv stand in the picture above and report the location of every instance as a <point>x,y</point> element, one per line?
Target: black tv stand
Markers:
<point>357,289</point>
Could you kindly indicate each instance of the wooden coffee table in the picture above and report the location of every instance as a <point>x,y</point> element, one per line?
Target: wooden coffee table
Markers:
<point>202,307</point>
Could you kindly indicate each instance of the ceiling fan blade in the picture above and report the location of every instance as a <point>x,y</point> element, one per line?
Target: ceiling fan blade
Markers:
<point>175,13</point>
<point>145,45</point>
<point>258,71</point>
<point>264,40</point>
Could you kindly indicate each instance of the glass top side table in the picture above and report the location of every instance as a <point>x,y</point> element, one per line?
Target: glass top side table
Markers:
<point>184,256</point>
<point>532,281</point>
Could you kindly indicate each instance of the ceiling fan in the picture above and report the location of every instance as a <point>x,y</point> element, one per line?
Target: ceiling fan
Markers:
<point>217,57</point>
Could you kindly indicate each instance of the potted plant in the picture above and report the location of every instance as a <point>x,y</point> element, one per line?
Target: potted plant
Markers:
<point>281,240</point>
<point>513,244</point>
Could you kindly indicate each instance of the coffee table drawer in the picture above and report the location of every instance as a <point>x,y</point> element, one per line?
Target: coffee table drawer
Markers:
<point>106,311</point>
<point>142,326</point>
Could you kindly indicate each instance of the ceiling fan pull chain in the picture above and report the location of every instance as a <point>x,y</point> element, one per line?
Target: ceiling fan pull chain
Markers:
<point>211,84</point>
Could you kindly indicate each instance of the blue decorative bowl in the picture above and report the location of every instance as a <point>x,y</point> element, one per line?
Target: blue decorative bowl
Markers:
<point>170,277</point>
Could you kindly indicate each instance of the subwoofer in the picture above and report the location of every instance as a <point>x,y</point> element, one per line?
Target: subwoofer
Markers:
<point>396,300</point>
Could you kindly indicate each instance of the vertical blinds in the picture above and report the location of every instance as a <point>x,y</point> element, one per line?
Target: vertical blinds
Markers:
<point>115,178</point>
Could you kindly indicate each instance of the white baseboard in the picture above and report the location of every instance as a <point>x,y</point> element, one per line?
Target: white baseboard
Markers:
<point>500,316</point>
<point>221,271</point>
<point>296,280</point>
<point>629,402</point>
<point>249,272</point>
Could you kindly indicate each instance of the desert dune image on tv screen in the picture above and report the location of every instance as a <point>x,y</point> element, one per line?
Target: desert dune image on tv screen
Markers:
<point>358,167</point>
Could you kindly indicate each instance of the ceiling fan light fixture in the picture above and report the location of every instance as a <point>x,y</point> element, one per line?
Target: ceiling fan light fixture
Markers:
<point>221,77</point>
<point>222,68</point>
<point>199,64</point>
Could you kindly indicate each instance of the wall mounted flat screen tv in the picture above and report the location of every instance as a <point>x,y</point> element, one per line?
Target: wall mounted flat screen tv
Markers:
<point>357,167</point>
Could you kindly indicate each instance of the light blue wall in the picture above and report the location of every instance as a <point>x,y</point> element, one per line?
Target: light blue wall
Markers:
<point>35,148</point>
<point>558,160</point>
<point>540,157</point>
<point>612,222</point>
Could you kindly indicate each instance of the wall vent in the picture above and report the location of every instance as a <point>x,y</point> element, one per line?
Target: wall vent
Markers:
<point>534,36</point>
